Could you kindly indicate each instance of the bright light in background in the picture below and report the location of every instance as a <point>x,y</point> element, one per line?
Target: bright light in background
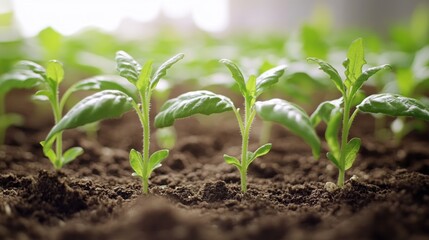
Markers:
<point>211,15</point>
<point>70,16</point>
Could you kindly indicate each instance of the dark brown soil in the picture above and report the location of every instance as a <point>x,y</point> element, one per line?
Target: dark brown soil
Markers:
<point>195,195</point>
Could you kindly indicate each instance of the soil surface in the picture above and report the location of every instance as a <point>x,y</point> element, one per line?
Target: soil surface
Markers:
<point>195,195</point>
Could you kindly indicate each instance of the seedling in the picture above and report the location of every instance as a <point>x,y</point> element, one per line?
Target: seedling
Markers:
<point>336,113</point>
<point>20,77</point>
<point>113,103</point>
<point>206,102</point>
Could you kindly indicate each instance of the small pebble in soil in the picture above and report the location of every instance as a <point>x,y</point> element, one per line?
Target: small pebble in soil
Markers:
<point>331,187</point>
<point>354,178</point>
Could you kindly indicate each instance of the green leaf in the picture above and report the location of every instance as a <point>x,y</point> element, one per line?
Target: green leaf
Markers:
<point>145,74</point>
<point>261,151</point>
<point>331,71</point>
<point>101,105</point>
<point>351,150</point>
<point>32,66</point>
<point>48,152</point>
<point>155,160</point>
<point>71,154</point>
<point>105,82</point>
<point>191,103</point>
<point>354,63</point>
<point>394,105</point>
<point>251,86</point>
<point>324,111</point>
<point>162,70</point>
<point>366,75</point>
<point>268,78</point>
<point>55,71</point>
<point>331,133</point>
<point>292,117</point>
<point>333,159</point>
<point>236,74</point>
<point>19,78</point>
<point>50,40</point>
<point>43,95</point>
<point>232,161</point>
<point>136,162</point>
<point>127,66</point>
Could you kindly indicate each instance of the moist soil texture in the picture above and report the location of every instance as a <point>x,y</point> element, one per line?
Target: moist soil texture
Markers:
<point>196,195</point>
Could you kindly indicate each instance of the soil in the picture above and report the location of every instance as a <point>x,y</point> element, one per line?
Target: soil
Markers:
<point>195,195</point>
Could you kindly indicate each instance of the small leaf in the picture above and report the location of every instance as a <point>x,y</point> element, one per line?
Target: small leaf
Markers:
<point>162,70</point>
<point>236,75</point>
<point>55,71</point>
<point>32,66</point>
<point>48,152</point>
<point>191,103</point>
<point>136,162</point>
<point>101,105</point>
<point>366,75</point>
<point>127,66</point>
<point>333,159</point>
<point>331,71</point>
<point>324,111</point>
<point>19,78</point>
<point>331,133</point>
<point>105,82</point>
<point>354,63</point>
<point>251,86</point>
<point>351,150</point>
<point>145,74</point>
<point>43,95</point>
<point>232,161</point>
<point>71,154</point>
<point>292,117</point>
<point>268,78</point>
<point>261,151</point>
<point>394,105</point>
<point>155,160</point>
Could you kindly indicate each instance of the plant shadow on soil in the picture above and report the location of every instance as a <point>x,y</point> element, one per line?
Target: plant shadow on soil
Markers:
<point>195,195</point>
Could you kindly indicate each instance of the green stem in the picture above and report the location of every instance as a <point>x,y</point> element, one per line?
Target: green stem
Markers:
<point>56,107</point>
<point>248,119</point>
<point>344,138</point>
<point>341,175</point>
<point>146,140</point>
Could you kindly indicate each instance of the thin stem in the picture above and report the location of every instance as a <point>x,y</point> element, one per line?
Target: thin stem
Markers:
<point>146,140</point>
<point>248,119</point>
<point>59,139</point>
<point>344,138</point>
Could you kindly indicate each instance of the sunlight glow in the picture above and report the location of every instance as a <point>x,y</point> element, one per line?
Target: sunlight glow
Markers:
<point>70,16</point>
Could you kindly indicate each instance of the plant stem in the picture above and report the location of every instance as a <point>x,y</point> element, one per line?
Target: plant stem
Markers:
<point>59,139</point>
<point>248,118</point>
<point>146,140</point>
<point>344,138</point>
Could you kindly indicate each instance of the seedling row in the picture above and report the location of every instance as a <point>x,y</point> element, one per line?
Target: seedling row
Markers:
<point>135,84</point>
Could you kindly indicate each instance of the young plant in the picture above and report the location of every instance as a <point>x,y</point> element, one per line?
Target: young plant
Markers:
<point>337,113</point>
<point>114,103</point>
<point>20,77</point>
<point>206,102</point>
